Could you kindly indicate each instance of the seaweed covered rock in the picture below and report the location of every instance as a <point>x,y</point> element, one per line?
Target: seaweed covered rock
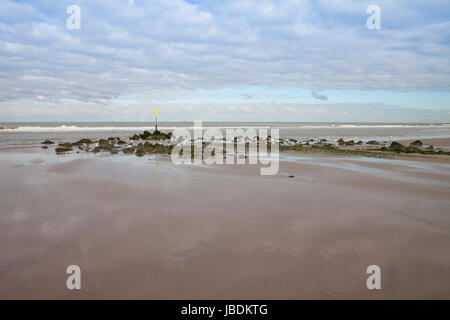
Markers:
<point>156,135</point>
<point>149,148</point>
<point>83,141</point>
<point>140,152</point>
<point>349,143</point>
<point>373,142</point>
<point>412,150</point>
<point>145,135</point>
<point>63,150</point>
<point>47,141</point>
<point>157,148</point>
<point>397,147</point>
<point>135,137</point>
<point>104,147</point>
<point>66,145</point>
<point>97,149</point>
<point>129,150</point>
<point>103,142</point>
<point>341,142</point>
<point>416,143</point>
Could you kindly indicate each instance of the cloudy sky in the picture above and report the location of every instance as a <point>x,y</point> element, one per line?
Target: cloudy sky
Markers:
<point>225,60</point>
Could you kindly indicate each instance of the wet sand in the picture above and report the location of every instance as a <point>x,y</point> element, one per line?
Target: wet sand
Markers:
<point>147,229</point>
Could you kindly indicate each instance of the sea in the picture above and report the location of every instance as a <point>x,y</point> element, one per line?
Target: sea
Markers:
<point>31,134</point>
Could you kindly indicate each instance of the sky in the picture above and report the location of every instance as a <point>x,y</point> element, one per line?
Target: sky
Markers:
<point>223,60</point>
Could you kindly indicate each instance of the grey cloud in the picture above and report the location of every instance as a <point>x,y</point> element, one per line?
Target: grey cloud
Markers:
<point>318,96</point>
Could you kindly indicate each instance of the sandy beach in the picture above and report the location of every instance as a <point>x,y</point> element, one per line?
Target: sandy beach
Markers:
<point>144,228</point>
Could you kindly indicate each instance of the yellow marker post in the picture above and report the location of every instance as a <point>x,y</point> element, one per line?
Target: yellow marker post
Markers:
<point>156,123</point>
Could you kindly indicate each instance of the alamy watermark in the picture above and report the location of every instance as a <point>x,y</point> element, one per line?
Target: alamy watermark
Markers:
<point>73,282</point>
<point>374,280</point>
<point>374,20</point>
<point>73,22</point>
<point>238,146</point>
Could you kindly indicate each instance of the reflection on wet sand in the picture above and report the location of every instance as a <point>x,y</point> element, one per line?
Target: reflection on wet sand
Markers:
<point>150,229</point>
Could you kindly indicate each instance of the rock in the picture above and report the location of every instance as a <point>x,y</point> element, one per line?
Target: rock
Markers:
<point>62,150</point>
<point>349,143</point>
<point>140,152</point>
<point>47,141</point>
<point>66,145</point>
<point>156,135</point>
<point>83,141</point>
<point>416,143</point>
<point>135,137</point>
<point>121,142</point>
<point>103,142</point>
<point>341,142</point>
<point>129,150</point>
<point>44,147</point>
<point>412,150</point>
<point>291,176</point>
<point>104,147</point>
<point>146,135</point>
<point>97,149</point>
<point>397,147</point>
<point>373,142</point>
<point>157,148</point>
<point>359,142</point>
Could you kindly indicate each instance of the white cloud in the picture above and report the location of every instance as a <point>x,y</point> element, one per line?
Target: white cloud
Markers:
<point>159,48</point>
